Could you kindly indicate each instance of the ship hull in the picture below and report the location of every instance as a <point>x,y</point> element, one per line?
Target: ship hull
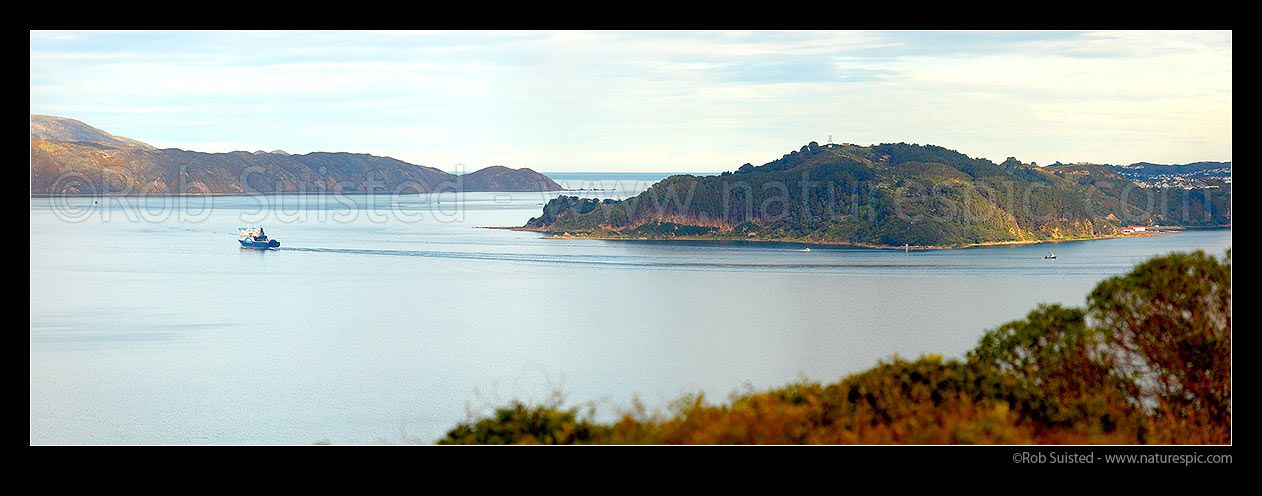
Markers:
<point>261,245</point>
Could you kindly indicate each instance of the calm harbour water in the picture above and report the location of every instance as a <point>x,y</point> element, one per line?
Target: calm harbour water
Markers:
<point>389,319</point>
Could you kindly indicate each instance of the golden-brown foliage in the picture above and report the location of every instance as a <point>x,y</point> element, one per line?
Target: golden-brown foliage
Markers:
<point>1052,378</point>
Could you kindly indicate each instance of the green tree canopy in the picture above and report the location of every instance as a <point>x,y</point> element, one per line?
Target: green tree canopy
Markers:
<point>1168,323</point>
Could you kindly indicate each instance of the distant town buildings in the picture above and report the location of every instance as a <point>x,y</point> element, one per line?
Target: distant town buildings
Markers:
<point>1204,177</point>
<point>1176,182</point>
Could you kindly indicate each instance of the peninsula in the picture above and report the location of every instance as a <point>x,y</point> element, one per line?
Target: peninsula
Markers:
<point>892,196</point>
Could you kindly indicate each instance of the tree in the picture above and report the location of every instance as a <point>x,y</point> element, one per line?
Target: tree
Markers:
<point>520,424</point>
<point>1064,376</point>
<point>1168,324</point>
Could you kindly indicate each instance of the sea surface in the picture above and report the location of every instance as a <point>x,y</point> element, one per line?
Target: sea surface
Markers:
<point>389,319</point>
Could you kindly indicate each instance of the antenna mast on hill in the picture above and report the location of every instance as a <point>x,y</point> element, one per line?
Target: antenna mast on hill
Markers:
<point>830,139</point>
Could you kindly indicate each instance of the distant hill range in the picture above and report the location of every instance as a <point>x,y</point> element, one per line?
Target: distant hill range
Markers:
<point>47,127</point>
<point>1147,170</point>
<point>1196,175</point>
<point>70,157</point>
<point>891,195</point>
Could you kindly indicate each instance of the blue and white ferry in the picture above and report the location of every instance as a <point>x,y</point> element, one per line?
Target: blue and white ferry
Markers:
<point>254,237</point>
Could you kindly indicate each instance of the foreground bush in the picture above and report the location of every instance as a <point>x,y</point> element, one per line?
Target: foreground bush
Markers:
<point>519,424</point>
<point>1148,361</point>
<point>1168,325</point>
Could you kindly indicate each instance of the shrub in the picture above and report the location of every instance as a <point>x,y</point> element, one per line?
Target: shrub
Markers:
<point>1148,361</point>
<point>1168,325</point>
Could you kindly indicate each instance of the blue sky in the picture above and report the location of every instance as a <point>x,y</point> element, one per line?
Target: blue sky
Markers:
<point>672,101</point>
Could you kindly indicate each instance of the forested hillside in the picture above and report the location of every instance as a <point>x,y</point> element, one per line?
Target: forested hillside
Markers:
<point>887,195</point>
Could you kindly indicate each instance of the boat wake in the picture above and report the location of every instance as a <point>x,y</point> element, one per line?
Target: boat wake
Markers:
<point>597,260</point>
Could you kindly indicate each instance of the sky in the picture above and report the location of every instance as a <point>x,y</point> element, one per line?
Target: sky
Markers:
<point>650,101</point>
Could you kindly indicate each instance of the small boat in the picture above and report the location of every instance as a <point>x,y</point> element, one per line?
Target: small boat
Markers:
<point>806,249</point>
<point>1049,256</point>
<point>254,237</point>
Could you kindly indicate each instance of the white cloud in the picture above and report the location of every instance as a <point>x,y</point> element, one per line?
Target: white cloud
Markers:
<point>579,99</point>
